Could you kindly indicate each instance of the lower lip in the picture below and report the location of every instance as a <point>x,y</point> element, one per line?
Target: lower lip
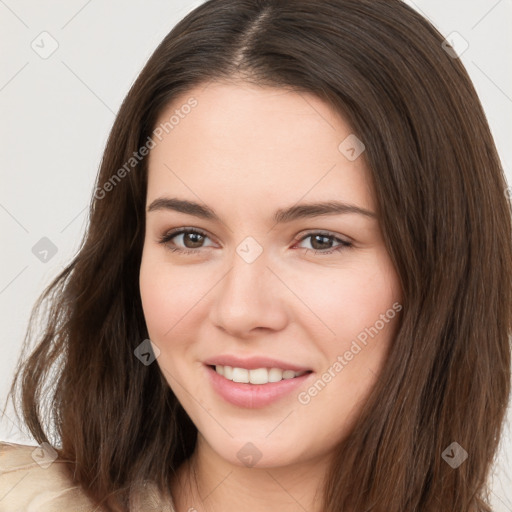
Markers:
<point>253,396</point>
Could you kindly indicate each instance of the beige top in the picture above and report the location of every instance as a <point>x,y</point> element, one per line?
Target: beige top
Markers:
<point>32,481</point>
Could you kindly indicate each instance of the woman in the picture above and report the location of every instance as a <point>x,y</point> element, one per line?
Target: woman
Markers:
<point>295,289</point>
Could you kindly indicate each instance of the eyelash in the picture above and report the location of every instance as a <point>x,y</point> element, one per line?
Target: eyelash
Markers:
<point>167,237</point>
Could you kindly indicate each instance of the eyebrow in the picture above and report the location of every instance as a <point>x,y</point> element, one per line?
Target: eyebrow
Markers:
<point>282,215</point>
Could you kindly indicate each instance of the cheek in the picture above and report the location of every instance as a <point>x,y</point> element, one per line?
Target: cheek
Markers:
<point>167,302</point>
<point>174,311</point>
<point>161,294</point>
<point>349,300</point>
<point>361,306</point>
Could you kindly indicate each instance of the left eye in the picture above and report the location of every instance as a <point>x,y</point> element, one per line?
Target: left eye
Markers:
<point>320,240</point>
<point>321,243</point>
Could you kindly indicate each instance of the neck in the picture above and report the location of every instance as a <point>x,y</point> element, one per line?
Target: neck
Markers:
<point>208,483</point>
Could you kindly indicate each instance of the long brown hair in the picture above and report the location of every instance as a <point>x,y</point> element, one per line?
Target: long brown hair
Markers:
<point>445,219</point>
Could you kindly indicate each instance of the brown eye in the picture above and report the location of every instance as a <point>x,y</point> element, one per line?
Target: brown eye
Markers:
<point>195,240</point>
<point>322,243</point>
<point>184,240</point>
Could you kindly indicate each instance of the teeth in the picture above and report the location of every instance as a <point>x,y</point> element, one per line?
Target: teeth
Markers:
<point>240,375</point>
<point>275,375</point>
<point>228,372</point>
<point>256,376</point>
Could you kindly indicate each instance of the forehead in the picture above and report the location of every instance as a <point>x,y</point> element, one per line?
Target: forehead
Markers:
<point>254,143</point>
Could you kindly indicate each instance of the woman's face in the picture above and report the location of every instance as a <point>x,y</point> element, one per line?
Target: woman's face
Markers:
<point>269,281</point>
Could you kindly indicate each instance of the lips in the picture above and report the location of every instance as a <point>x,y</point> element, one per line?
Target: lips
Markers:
<point>253,396</point>
<point>263,390</point>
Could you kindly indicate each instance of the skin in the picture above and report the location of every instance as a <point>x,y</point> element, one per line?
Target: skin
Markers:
<point>246,151</point>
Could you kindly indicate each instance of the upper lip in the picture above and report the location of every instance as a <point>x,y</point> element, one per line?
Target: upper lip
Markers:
<point>251,363</point>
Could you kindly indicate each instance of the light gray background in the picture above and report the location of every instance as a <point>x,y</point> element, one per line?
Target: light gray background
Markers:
<point>56,114</point>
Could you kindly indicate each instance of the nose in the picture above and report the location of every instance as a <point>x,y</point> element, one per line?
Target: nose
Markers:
<point>249,298</point>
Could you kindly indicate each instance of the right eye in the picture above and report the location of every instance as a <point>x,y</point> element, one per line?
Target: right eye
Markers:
<point>192,236</point>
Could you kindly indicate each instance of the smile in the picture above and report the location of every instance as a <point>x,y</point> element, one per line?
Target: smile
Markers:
<point>256,387</point>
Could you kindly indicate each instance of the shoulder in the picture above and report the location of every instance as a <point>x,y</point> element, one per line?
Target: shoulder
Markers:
<point>33,479</point>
